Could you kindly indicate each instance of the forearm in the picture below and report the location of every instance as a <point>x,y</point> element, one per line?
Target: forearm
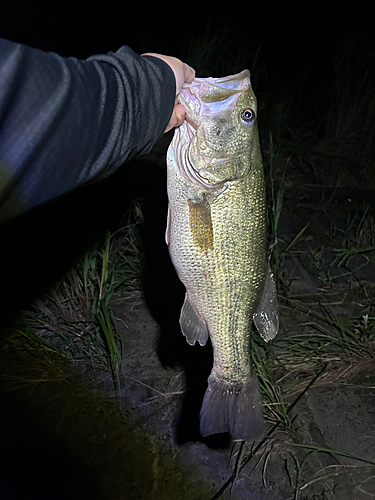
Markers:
<point>65,121</point>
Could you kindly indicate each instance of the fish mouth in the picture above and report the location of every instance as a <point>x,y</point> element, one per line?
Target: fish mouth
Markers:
<point>209,95</point>
<point>231,81</point>
<point>206,97</point>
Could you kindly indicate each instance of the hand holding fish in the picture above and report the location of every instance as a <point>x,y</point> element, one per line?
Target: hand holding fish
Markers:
<point>183,74</point>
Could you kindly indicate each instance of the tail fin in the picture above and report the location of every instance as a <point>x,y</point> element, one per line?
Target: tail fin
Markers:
<point>235,410</point>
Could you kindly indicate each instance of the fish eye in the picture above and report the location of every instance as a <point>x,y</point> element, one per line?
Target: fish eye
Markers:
<point>247,115</point>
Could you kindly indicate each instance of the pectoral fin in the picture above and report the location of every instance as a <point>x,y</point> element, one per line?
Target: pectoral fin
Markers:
<point>201,224</point>
<point>266,318</point>
<point>192,325</point>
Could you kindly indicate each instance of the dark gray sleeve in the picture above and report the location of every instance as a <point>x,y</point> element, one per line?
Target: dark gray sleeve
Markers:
<point>65,121</point>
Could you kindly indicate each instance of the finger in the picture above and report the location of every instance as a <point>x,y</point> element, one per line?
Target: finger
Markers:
<point>180,114</point>
<point>189,73</point>
<point>177,118</point>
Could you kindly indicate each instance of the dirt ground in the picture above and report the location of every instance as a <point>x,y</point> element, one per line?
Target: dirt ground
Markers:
<point>75,436</point>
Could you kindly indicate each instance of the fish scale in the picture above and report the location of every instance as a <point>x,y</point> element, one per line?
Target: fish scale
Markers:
<point>217,242</point>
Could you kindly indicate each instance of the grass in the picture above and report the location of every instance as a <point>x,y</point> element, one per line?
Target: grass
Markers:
<point>77,313</point>
<point>326,474</point>
<point>23,343</point>
<point>276,407</point>
<point>287,368</point>
<point>276,170</point>
<point>358,238</point>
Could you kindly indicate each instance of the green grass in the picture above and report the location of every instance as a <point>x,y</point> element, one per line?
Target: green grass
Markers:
<point>77,314</point>
<point>23,343</point>
<point>286,369</point>
<point>358,238</point>
<point>276,171</point>
<point>275,404</point>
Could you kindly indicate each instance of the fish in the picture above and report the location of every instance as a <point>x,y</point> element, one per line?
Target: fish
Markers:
<point>217,239</point>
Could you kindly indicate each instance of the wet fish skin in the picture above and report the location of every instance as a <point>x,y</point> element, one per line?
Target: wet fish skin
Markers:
<point>216,233</point>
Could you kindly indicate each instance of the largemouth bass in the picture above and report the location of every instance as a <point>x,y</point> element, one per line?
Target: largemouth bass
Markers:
<point>216,233</point>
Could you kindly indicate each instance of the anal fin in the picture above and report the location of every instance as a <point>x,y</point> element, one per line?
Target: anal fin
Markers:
<point>192,325</point>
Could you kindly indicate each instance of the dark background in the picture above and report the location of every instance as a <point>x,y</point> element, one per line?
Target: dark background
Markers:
<point>293,35</point>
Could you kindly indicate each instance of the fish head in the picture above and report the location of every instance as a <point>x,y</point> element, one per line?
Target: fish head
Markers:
<point>220,131</point>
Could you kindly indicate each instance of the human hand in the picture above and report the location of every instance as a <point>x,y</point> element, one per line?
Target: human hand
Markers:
<point>183,74</point>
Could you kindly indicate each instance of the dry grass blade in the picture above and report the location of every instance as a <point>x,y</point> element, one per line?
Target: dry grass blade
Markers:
<point>19,346</point>
<point>335,470</point>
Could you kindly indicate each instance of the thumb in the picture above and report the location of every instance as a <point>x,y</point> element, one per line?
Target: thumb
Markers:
<point>183,73</point>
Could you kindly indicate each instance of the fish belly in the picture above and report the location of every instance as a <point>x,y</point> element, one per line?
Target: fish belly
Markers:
<point>223,269</point>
